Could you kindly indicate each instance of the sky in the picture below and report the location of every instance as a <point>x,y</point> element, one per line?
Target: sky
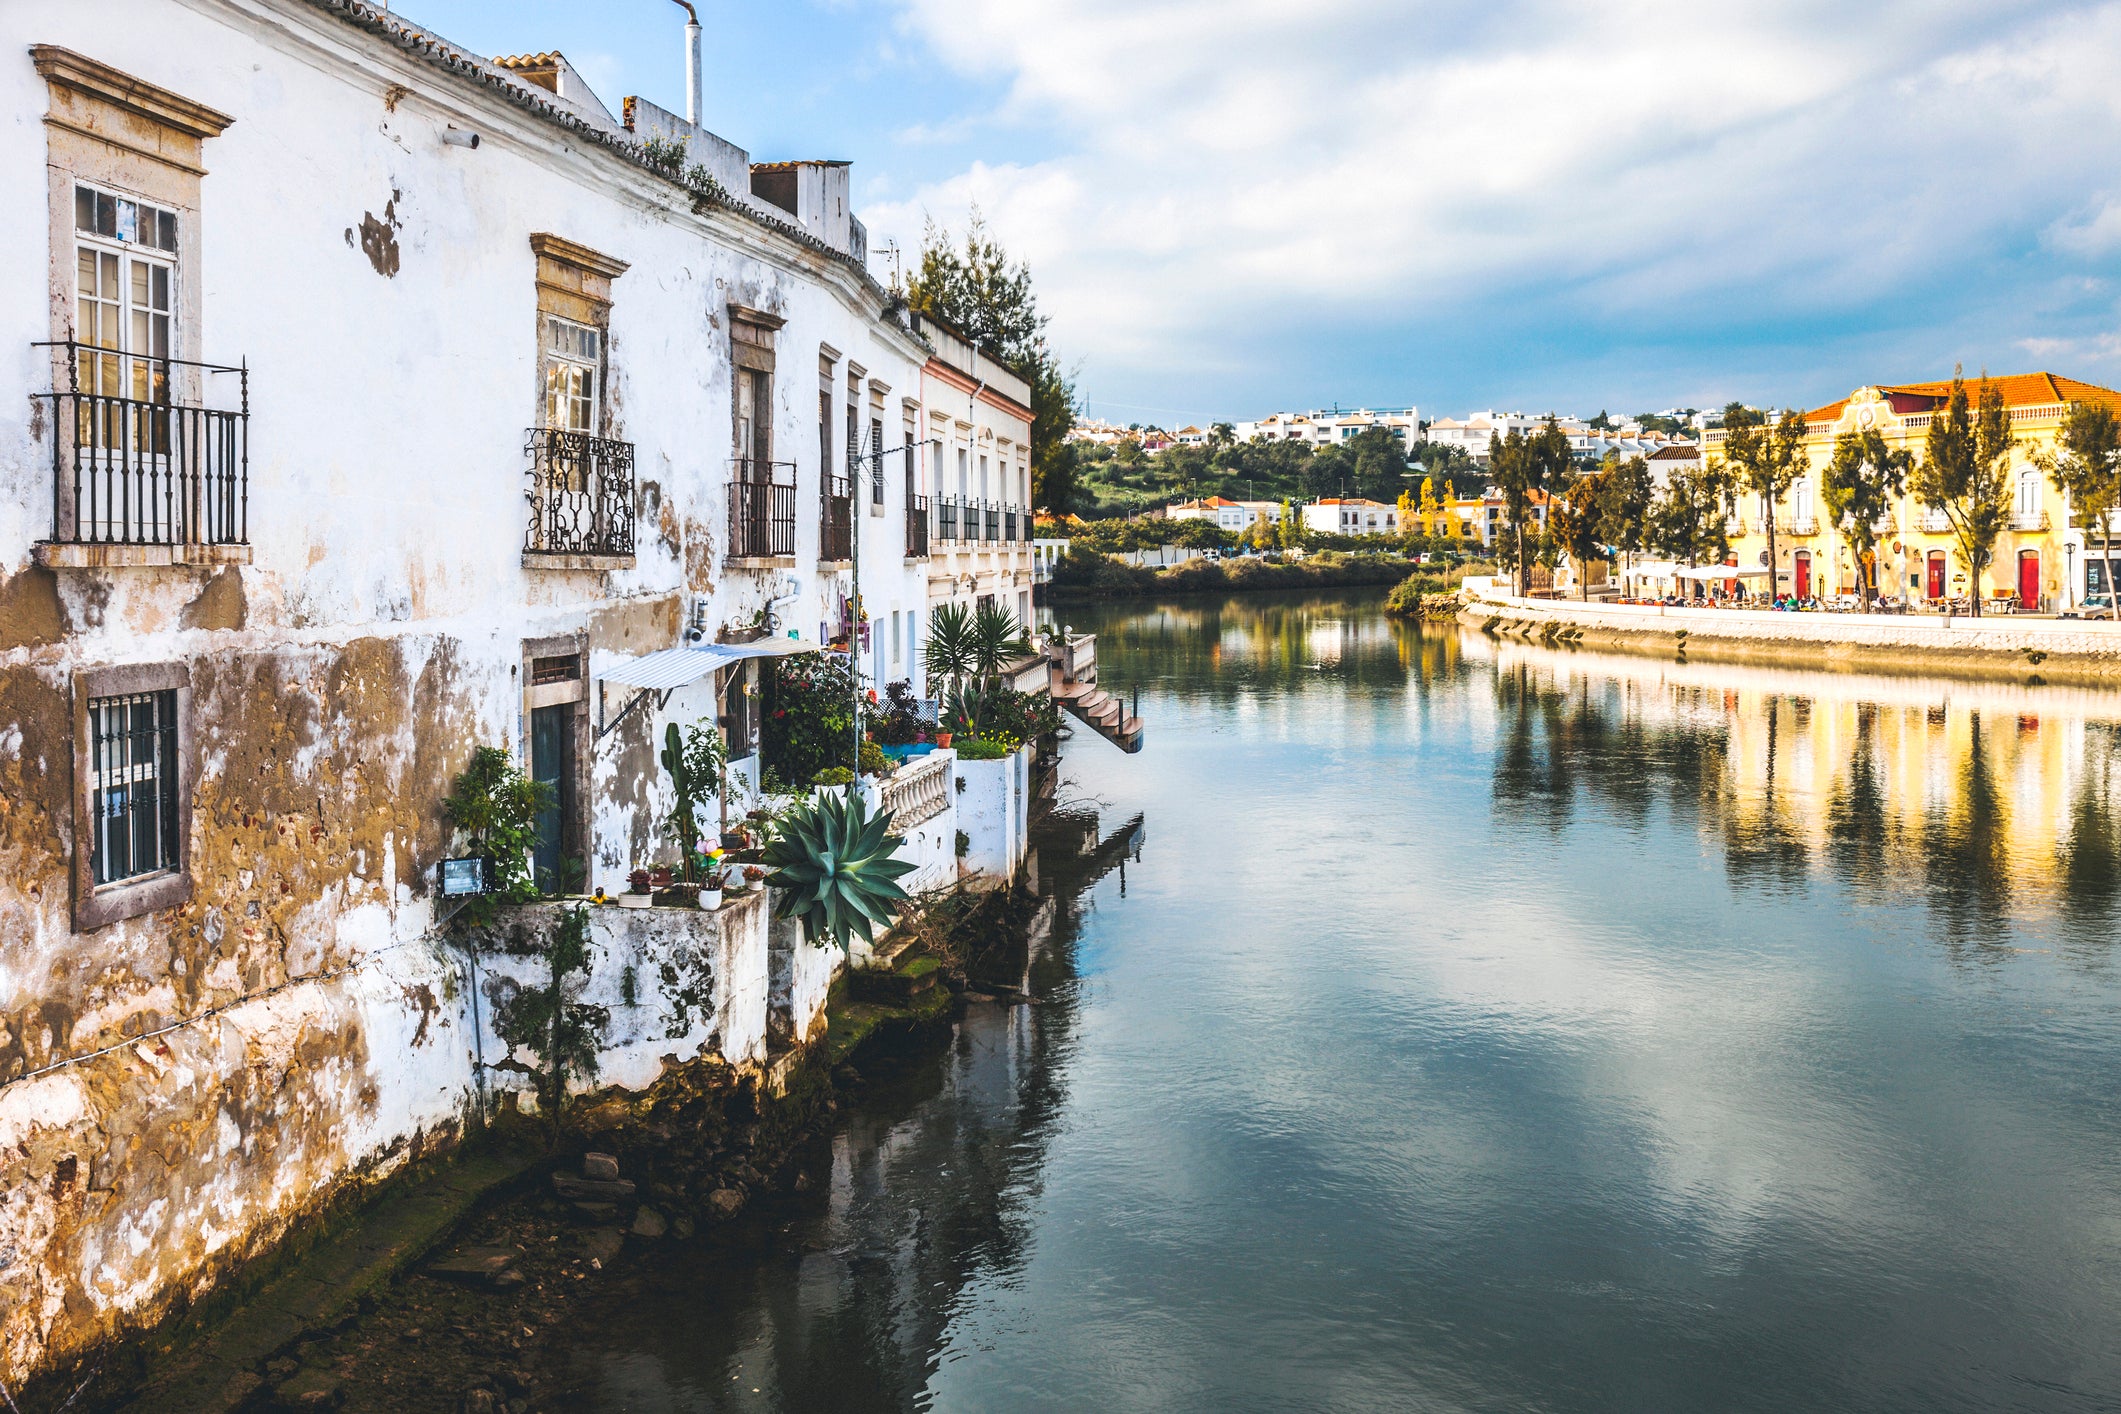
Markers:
<point>1235,206</point>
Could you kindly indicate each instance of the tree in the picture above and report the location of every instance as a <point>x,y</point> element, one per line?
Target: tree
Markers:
<point>1859,488</point>
<point>987,297</point>
<point>1765,459</point>
<point>1431,508</point>
<point>1523,467</point>
<point>950,655</point>
<point>1624,492</point>
<point>1690,521</point>
<point>1601,423</point>
<point>2086,467</point>
<point>1964,475</point>
<point>1222,434</point>
<point>1510,463</point>
<point>1574,520</point>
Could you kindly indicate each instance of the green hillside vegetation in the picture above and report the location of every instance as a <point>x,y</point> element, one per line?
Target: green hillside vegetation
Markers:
<point>1123,480</point>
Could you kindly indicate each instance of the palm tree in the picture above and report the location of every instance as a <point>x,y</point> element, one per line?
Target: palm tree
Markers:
<point>997,638</point>
<point>950,655</point>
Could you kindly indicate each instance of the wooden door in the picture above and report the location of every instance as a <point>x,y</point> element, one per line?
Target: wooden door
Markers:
<point>1935,588</point>
<point>2029,579</point>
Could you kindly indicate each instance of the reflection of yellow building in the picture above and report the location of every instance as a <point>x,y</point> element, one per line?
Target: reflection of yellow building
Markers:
<point>1976,794</point>
<point>2039,557</point>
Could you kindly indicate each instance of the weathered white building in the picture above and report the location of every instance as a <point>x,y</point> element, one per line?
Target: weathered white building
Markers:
<point>974,463</point>
<point>363,402</point>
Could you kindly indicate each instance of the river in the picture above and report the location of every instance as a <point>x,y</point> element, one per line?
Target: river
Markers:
<point>1472,1026</point>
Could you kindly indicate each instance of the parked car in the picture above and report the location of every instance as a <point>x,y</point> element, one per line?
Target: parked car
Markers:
<point>2092,606</point>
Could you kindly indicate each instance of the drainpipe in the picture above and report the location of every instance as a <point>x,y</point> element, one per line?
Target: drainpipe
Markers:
<point>692,63</point>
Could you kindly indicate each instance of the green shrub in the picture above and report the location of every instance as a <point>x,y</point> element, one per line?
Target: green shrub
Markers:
<point>833,776</point>
<point>874,761</point>
<point>808,719</point>
<point>981,748</point>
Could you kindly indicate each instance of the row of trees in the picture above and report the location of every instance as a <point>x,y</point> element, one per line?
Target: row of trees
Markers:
<point>1962,475</point>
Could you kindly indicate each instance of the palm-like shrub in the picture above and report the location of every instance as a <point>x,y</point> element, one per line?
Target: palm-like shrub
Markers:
<point>997,638</point>
<point>834,866</point>
<point>949,655</point>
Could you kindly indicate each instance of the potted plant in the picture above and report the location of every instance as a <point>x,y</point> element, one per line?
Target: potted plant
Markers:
<point>659,877</point>
<point>638,889</point>
<point>711,882</point>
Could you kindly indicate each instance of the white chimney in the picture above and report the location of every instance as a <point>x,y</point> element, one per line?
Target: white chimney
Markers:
<point>692,63</point>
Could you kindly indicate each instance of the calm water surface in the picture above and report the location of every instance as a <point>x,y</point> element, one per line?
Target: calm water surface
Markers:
<point>1481,1027</point>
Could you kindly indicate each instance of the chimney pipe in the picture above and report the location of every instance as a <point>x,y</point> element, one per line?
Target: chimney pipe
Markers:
<point>692,63</point>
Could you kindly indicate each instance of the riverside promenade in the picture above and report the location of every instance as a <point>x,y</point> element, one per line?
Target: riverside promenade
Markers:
<point>2012,646</point>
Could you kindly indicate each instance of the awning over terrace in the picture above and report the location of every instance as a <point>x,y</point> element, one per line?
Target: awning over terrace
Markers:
<point>1713,572</point>
<point>666,670</point>
<point>670,668</point>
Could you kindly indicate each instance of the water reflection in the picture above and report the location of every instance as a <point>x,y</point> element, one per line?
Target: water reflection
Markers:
<point>1488,1027</point>
<point>845,1304</point>
<point>1996,805</point>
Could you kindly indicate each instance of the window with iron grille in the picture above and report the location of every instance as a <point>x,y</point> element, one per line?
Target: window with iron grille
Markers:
<point>133,780</point>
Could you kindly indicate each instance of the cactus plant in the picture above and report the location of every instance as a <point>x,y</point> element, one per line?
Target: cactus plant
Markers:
<point>835,869</point>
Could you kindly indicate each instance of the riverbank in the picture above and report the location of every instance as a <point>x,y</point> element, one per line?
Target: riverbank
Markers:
<point>2008,648</point>
<point>1083,577</point>
<point>430,1293</point>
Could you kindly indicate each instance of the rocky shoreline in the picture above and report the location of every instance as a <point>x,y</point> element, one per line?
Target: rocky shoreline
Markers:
<point>458,1318</point>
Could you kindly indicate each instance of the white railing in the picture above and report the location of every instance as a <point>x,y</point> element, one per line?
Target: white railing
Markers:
<point>917,791</point>
<point>1936,523</point>
<point>2029,520</point>
<point>1078,656</point>
<point>1804,525</point>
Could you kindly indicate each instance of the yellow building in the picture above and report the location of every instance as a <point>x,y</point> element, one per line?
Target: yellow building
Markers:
<point>2039,560</point>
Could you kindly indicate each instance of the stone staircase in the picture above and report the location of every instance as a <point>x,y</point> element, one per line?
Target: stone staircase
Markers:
<point>1072,679</point>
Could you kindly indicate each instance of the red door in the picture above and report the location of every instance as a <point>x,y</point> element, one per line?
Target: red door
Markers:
<point>2029,579</point>
<point>1803,589</point>
<point>1936,584</point>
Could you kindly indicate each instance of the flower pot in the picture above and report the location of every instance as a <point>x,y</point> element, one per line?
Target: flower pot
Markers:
<point>659,878</point>
<point>942,740</point>
<point>710,898</point>
<point>635,900</point>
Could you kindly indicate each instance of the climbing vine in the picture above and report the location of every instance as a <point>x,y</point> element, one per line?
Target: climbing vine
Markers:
<point>549,1019</point>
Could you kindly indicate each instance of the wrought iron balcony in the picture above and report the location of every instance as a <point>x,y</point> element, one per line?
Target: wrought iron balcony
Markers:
<point>1009,523</point>
<point>994,522</point>
<point>140,457</point>
<point>916,527</point>
<point>835,519</point>
<point>945,518</point>
<point>581,494</point>
<point>761,509</point>
<point>2029,520</point>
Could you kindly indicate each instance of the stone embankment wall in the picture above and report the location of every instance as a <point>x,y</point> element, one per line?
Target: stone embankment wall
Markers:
<point>2004,646</point>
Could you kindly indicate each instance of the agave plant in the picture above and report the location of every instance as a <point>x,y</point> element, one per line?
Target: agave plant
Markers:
<point>835,868</point>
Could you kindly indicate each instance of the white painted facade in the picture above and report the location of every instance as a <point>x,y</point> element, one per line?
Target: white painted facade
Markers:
<point>390,292</point>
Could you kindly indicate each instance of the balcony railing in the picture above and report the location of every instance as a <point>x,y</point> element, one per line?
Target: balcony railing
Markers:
<point>581,494</point>
<point>1009,523</point>
<point>835,519</point>
<point>916,527</point>
<point>139,458</point>
<point>945,519</point>
<point>994,523</point>
<point>1804,525</point>
<point>917,791</point>
<point>2029,520</point>
<point>1936,523</point>
<point>761,509</point>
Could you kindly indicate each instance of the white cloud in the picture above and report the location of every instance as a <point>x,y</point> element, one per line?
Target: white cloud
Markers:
<point>1205,172</point>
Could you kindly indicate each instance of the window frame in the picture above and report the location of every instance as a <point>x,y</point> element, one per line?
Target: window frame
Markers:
<point>552,360</point>
<point>99,905</point>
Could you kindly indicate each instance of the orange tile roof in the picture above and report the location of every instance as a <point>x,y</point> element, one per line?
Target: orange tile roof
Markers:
<point>2020,390</point>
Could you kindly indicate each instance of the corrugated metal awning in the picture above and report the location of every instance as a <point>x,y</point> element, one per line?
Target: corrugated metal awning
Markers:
<point>671,668</point>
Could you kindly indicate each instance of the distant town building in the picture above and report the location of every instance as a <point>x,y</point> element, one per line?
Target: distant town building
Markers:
<point>1351,515</point>
<point>1322,428</point>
